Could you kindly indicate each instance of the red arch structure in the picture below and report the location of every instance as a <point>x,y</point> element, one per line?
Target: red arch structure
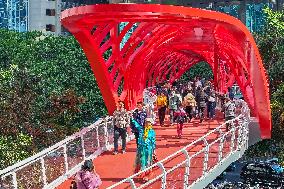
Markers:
<point>166,43</point>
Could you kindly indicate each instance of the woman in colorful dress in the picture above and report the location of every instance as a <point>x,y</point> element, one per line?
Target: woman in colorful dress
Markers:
<point>145,154</point>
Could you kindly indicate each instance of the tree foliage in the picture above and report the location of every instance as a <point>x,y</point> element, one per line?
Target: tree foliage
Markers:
<point>201,69</point>
<point>47,91</point>
<point>271,45</point>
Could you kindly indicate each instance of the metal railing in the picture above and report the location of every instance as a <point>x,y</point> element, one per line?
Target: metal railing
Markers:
<point>54,165</point>
<point>216,146</point>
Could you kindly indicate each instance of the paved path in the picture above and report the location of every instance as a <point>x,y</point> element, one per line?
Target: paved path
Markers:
<point>113,168</point>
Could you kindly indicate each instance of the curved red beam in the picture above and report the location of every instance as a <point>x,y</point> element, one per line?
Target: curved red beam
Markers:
<point>188,34</point>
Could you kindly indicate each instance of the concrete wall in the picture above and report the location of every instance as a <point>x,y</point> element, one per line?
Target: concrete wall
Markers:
<point>38,18</point>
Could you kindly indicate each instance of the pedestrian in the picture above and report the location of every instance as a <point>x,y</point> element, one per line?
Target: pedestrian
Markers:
<point>145,154</point>
<point>180,117</point>
<point>229,110</point>
<point>139,115</point>
<point>230,93</point>
<point>162,107</point>
<point>189,104</point>
<point>211,104</point>
<point>120,122</point>
<point>87,178</point>
<point>174,101</point>
<point>201,103</point>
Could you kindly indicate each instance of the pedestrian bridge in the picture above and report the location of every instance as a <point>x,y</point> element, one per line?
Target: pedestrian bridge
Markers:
<point>165,42</point>
<point>204,151</point>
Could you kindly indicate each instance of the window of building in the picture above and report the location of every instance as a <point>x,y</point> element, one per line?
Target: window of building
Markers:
<point>50,27</point>
<point>50,12</point>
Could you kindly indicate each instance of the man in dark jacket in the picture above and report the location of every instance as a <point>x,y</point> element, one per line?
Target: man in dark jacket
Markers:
<point>201,102</point>
<point>139,115</point>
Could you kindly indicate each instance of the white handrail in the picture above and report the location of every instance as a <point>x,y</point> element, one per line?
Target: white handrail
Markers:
<point>47,150</point>
<point>245,114</point>
<point>12,170</point>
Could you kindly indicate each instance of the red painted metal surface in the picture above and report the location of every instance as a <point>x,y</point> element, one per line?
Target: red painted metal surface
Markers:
<point>168,41</point>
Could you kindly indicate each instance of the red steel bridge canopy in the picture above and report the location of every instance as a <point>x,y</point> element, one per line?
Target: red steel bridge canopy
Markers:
<point>167,42</point>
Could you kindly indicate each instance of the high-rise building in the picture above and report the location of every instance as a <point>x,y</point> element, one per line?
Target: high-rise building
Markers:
<point>14,14</point>
<point>44,15</point>
<point>39,15</point>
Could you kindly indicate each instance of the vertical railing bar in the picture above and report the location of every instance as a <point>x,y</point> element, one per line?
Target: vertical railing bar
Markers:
<point>206,154</point>
<point>187,168</point>
<point>15,182</point>
<point>239,135</point>
<point>164,178</point>
<point>98,138</point>
<point>232,136</point>
<point>106,134</point>
<point>43,170</point>
<point>65,158</point>
<point>132,183</point>
<point>83,147</point>
<point>221,144</point>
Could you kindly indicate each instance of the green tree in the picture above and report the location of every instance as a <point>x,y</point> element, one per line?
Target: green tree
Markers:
<point>271,45</point>
<point>47,91</point>
<point>201,69</point>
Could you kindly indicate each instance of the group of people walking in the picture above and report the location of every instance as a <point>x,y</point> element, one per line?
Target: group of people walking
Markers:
<point>141,124</point>
<point>183,102</point>
<point>186,101</point>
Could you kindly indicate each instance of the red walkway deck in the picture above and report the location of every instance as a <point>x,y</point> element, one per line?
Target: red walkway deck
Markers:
<point>113,168</point>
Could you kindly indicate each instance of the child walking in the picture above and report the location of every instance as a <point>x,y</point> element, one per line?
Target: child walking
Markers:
<point>180,117</point>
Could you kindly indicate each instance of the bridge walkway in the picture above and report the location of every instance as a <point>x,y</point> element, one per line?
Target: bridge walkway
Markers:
<point>114,168</point>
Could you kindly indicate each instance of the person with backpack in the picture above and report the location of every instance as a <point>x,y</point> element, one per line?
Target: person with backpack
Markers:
<point>87,178</point>
<point>174,102</point>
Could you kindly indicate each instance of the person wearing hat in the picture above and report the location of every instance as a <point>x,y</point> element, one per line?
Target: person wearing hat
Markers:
<point>87,178</point>
<point>145,154</point>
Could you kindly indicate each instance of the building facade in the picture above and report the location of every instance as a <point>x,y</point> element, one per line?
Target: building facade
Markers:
<point>39,15</point>
<point>14,14</point>
<point>44,15</point>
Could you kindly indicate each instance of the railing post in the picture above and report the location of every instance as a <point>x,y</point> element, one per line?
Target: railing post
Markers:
<point>83,147</point>
<point>15,182</point>
<point>240,133</point>
<point>65,158</point>
<point>164,178</point>
<point>132,183</point>
<point>206,154</point>
<point>43,171</point>
<point>232,136</point>
<point>98,138</point>
<point>106,134</point>
<point>187,169</point>
<point>221,145</point>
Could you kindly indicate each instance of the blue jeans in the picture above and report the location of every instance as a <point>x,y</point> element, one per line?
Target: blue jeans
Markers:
<point>211,109</point>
